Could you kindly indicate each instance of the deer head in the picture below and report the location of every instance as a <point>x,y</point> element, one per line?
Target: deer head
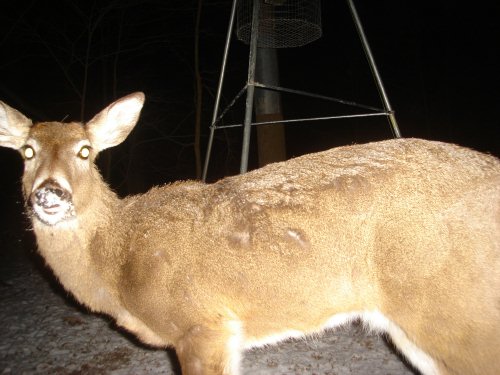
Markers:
<point>60,156</point>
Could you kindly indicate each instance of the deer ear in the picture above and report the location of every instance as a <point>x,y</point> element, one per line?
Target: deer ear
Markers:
<point>14,127</point>
<point>113,124</point>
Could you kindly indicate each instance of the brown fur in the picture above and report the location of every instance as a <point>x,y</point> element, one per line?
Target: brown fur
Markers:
<point>406,229</point>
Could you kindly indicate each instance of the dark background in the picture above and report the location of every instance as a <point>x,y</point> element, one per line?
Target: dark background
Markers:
<point>438,60</point>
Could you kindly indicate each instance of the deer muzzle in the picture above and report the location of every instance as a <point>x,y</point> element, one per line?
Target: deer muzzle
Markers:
<point>51,203</point>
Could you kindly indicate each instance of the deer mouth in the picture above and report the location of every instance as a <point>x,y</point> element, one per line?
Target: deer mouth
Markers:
<point>52,204</point>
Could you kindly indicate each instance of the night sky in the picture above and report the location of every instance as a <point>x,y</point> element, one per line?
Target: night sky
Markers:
<point>439,61</point>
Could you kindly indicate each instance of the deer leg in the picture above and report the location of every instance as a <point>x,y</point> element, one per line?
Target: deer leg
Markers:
<point>205,351</point>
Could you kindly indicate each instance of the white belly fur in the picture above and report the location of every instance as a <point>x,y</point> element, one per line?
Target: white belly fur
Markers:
<point>373,320</point>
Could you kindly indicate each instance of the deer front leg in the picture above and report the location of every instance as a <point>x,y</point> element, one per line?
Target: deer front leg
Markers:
<point>205,351</point>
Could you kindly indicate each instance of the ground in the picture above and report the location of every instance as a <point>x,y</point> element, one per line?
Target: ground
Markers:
<point>44,331</point>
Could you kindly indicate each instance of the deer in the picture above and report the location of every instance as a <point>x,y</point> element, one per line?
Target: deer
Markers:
<point>401,235</point>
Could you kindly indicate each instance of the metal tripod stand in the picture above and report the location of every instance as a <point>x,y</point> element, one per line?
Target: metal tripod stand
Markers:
<point>251,84</point>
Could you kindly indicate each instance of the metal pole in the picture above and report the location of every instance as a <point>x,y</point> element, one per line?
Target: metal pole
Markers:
<point>374,69</point>
<point>247,124</point>
<point>219,90</point>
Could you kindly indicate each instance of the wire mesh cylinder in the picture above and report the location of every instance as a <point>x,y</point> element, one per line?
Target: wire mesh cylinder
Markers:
<point>283,23</point>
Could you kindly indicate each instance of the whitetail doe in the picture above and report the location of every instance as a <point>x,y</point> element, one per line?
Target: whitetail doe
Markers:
<point>402,234</point>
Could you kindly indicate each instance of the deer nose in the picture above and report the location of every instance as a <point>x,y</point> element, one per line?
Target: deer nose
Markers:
<point>50,193</point>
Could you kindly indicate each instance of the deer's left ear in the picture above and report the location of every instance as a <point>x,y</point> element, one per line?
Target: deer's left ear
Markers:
<point>14,127</point>
<point>113,124</point>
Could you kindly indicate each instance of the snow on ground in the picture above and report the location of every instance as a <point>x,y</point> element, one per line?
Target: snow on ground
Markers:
<point>44,331</point>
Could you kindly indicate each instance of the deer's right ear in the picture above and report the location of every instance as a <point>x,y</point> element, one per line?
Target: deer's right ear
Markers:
<point>14,127</point>
<point>113,124</point>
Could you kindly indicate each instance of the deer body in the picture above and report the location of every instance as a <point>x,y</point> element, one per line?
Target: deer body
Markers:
<point>402,234</point>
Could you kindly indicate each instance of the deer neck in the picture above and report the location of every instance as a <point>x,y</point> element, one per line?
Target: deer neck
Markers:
<point>83,252</point>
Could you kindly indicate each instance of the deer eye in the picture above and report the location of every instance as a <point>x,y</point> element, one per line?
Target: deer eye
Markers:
<point>84,152</point>
<point>28,152</point>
